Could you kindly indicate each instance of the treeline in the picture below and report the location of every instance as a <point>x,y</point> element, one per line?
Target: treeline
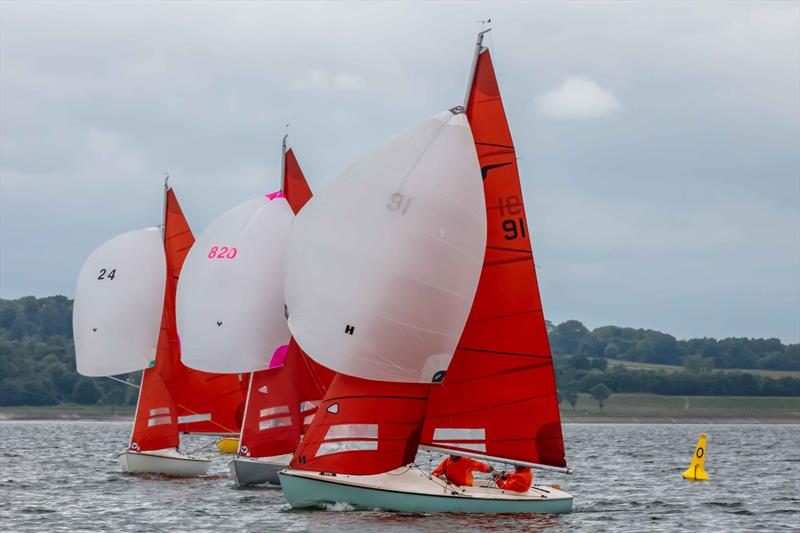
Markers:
<point>579,373</point>
<point>37,360</point>
<point>37,357</point>
<point>650,346</point>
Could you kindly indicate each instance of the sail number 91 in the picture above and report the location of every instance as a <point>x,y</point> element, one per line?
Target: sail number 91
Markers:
<point>222,252</point>
<point>514,228</point>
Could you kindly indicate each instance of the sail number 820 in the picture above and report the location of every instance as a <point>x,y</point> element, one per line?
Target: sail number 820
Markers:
<point>222,252</point>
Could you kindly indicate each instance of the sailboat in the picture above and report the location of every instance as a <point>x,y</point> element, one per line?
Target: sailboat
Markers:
<point>231,318</point>
<point>124,321</point>
<point>494,400</point>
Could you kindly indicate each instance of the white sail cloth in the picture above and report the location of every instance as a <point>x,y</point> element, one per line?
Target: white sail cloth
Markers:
<point>229,306</point>
<point>382,266</point>
<point>119,301</point>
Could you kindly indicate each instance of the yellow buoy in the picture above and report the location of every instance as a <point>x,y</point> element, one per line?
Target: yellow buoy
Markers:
<point>228,445</point>
<point>696,471</point>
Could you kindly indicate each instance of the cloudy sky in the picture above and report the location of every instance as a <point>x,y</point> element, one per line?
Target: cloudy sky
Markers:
<point>659,143</point>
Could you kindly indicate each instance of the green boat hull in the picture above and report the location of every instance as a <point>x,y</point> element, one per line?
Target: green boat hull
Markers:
<point>307,492</point>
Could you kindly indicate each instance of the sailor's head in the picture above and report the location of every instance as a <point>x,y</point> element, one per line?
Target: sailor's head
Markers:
<point>455,457</point>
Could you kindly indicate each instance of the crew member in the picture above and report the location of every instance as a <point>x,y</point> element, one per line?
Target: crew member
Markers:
<point>518,481</point>
<point>458,470</point>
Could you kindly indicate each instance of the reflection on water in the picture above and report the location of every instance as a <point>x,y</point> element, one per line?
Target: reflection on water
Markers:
<point>63,476</point>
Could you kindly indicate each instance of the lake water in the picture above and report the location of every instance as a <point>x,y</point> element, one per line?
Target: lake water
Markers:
<point>63,476</point>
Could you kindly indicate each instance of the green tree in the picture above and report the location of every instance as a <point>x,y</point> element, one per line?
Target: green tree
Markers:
<point>85,392</point>
<point>600,393</point>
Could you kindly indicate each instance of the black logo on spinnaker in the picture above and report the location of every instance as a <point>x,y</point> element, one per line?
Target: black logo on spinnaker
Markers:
<point>219,323</point>
<point>349,329</point>
<point>485,170</point>
<point>94,329</point>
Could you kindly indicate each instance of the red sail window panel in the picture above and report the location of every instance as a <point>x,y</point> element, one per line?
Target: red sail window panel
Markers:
<point>499,394</point>
<point>295,186</point>
<point>364,427</point>
<point>281,402</point>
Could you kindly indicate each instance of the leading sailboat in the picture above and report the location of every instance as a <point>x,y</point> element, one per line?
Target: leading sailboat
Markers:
<point>124,320</point>
<point>497,398</point>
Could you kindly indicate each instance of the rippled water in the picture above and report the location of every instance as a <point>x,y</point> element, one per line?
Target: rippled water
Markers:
<point>60,476</point>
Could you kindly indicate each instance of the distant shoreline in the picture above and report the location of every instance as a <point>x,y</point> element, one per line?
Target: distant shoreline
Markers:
<point>618,409</point>
<point>62,417</point>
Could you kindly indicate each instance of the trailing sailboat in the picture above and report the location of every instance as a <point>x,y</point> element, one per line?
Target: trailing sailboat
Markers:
<point>124,320</point>
<point>231,318</point>
<point>495,401</point>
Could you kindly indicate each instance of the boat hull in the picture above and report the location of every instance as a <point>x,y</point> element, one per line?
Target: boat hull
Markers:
<point>165,462</point>
<point>413,491</point>
<point>256,471</point>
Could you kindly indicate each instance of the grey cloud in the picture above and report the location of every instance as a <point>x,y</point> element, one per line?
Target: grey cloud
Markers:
<point>679,212</point>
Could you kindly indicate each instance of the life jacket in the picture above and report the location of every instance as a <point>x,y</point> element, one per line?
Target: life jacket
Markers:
<point>519,481</point>
<point>460,472</point>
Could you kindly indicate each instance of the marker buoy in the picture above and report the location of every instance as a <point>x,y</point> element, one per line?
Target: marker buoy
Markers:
<point>696,471</point>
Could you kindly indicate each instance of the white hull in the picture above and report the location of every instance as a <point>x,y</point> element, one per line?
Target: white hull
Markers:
<point>257,470</point>
<point>167,462</point>
<point>411,490</point>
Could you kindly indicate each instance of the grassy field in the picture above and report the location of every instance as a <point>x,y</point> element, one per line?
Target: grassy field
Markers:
<point>672,368</point>
<point>643,406</point>
<point>66,411</point>
<point>618,408</point>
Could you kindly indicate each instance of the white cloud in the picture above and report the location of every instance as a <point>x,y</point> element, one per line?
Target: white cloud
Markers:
<point>577,98</point>
<point>320,80</point>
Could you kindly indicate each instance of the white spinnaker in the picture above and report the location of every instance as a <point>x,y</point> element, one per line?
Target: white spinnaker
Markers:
<point>229,307</point>
<point>119,301</point>
<point>383,264</point>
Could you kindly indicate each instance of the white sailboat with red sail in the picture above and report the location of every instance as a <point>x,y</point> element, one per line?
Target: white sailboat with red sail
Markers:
<point>124,320</point>
<point>231,318</point>
<point>486,388</point>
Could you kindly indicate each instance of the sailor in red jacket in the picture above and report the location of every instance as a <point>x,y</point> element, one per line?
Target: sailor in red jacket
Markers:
<point>458,470</point>
<point>518,481</point>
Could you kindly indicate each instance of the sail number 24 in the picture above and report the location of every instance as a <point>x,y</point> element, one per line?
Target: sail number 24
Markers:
<point>107,274</point>
<point>222,252</point>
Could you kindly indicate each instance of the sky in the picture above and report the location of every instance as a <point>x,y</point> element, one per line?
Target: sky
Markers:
<point>658,143</point>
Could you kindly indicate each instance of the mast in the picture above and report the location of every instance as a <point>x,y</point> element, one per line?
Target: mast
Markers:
<point>283,163</point>
<point>164,208</point>
<point>478,50</point>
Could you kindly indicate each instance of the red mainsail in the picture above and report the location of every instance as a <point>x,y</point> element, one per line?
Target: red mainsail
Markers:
<point>499,395</point>
<point>174,397</point>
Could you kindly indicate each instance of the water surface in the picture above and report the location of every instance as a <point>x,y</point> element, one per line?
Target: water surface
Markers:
<point>63,476</point>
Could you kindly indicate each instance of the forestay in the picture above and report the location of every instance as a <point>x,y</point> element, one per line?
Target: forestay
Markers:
<point>230,312</point>
<point>382,266</point>
<point>118,302</point>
